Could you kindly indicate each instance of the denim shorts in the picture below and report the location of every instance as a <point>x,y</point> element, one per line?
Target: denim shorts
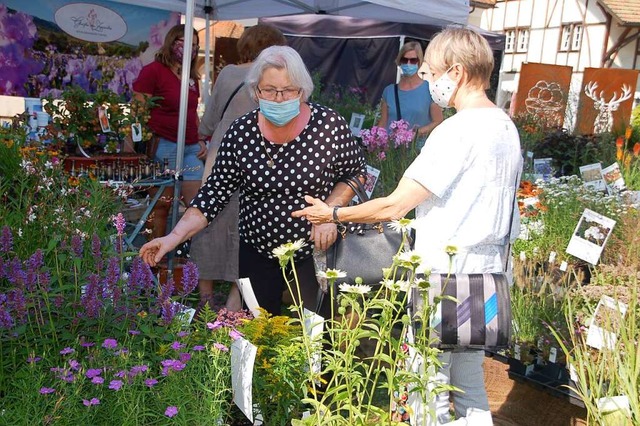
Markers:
<point>192,166</point>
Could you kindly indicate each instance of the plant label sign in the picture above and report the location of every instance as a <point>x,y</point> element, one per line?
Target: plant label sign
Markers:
<point>243,356</point>
<point>613,178</point>
<point>592,177</point>
<point>607,318</point>
<point>590,236</point>
<point>314,327</point>
<point>355,125</point>
<point>249,297</point>
<point>542,168</point>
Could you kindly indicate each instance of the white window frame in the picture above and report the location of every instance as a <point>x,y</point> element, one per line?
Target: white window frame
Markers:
<point>523,40</point>
<point>565,38</point>
<point>510,40</point>
<point>576,37</point>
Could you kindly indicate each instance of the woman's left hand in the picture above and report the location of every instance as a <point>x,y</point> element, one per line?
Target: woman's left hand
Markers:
<point>202,154</point>
<point>324,235</point>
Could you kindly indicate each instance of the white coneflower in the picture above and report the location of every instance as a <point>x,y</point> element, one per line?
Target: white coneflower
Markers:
<point>399,285</point>
<point>332,274</point>
<point>409,259</point>
<point>285,252</point>
<point>354,288</point>
<point>401,225</point>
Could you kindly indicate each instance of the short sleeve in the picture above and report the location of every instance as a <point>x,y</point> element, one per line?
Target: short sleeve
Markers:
<point>441,161</point>
<point>146,81</point>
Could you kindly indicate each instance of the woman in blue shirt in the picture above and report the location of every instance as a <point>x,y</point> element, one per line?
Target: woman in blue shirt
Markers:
<point>413,97</point>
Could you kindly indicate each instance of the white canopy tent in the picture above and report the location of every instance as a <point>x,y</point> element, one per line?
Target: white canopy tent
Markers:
<point>431,12</point>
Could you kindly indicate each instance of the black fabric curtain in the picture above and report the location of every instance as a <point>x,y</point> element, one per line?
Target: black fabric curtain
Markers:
<point>366,63</point>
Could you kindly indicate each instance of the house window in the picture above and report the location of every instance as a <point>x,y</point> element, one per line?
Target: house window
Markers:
<point>576,39</point>
<point>510,41</point>
<point>523,39</point>
<point>571,37</point>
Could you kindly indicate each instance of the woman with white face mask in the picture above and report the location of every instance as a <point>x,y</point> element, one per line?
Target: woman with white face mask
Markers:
<point>409,99</point>
<point>272,155</point>
<point>462,185</point>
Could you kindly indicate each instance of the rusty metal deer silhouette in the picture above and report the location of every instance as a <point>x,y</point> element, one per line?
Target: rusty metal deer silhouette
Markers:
<point>604,119</point>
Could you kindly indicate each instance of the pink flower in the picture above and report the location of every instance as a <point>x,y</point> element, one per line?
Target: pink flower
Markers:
<point>220,347</point>
<point>235,334</point>
<point>119,223</point>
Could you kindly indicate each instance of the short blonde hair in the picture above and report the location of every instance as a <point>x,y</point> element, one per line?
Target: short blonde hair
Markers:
<point>463,46</point>
<point>408,47</point>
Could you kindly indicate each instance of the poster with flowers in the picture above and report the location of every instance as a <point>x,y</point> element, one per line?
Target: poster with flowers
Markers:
<point>590,236</point>
<point>49,45</point>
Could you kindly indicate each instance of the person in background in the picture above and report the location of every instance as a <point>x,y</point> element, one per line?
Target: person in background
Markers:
<point>462,184</point>
<point>215,249</point>
<point>162,78</point>
<point>287,147</point>
<point>411,94</point>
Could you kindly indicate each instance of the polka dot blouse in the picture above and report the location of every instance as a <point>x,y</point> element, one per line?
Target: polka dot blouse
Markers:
<point>273,179</point>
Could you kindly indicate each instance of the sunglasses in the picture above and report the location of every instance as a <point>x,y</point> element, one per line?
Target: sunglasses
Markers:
<point>404,60</point>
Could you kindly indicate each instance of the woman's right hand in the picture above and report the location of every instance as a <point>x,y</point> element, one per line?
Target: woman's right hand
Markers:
<point>153,251</point>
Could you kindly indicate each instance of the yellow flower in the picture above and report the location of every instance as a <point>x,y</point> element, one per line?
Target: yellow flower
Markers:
<point>451,250</point>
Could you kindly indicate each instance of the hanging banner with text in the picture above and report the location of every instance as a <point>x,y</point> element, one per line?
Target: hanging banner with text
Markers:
<point>48,45</point>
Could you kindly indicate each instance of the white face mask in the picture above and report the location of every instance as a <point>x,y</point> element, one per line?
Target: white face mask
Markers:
<point>442,89</point>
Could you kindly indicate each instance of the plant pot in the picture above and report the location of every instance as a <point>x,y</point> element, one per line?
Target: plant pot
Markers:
<point>162,273</point>
<point>520,368</point>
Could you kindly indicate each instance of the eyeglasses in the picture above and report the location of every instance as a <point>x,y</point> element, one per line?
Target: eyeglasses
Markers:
<point>271,94</point>
<point>405,60</point>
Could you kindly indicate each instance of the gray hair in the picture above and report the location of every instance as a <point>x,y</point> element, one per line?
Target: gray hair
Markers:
<point>281,57</point>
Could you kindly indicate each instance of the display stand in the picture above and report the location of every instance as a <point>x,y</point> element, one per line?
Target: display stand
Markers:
<point>161,184</point>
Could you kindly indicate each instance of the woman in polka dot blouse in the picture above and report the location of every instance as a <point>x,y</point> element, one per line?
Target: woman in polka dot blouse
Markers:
<point>274,155</point>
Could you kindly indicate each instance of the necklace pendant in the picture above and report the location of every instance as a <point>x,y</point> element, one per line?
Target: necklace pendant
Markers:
<point>271,164</point>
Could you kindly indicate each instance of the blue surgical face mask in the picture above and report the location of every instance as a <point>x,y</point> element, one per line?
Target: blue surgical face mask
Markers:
<point>279,113</point>
<point>409,69</point>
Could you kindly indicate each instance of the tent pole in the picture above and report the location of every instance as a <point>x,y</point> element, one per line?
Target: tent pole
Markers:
<point>398,74</point>
<point>184,97</point>
<point>207,53</point>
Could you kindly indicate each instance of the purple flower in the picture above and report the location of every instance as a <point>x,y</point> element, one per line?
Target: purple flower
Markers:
<point>169,365</point>
<point>110,344</point>
<point>176,346</point>
<point>33,359</point>
<point>134,332</point>
<point>150,382</point>
<point>6,240</point>
<point>189,278</point>
<point>76,245</point>
<point>97,380</point>
<point>67,351</point>
<point>220,347</point>
<point>121,374</point>
<point>171,411</point>
<point>214,326</point>
<point>183,334</point>
<point>87,344</point>
<point>198,348</point>
<point>46,391</point>
<point>119,223</point>
<point>90,402</point>
<point>185,357</point>
<point>93,372</point>
<point>137,369</point>
<point>74,365</point>
<point>115,385</point>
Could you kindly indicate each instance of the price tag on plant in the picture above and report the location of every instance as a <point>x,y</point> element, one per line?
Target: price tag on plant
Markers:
<point>552,257</point>
<point>523,256</point>
<point>516,352</point>
<point>136,132</point>
<point>563,266</point>
<point>553,354</point>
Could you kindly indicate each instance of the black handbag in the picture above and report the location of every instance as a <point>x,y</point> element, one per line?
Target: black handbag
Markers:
<point>478,318</point>
<point>363,250</point>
